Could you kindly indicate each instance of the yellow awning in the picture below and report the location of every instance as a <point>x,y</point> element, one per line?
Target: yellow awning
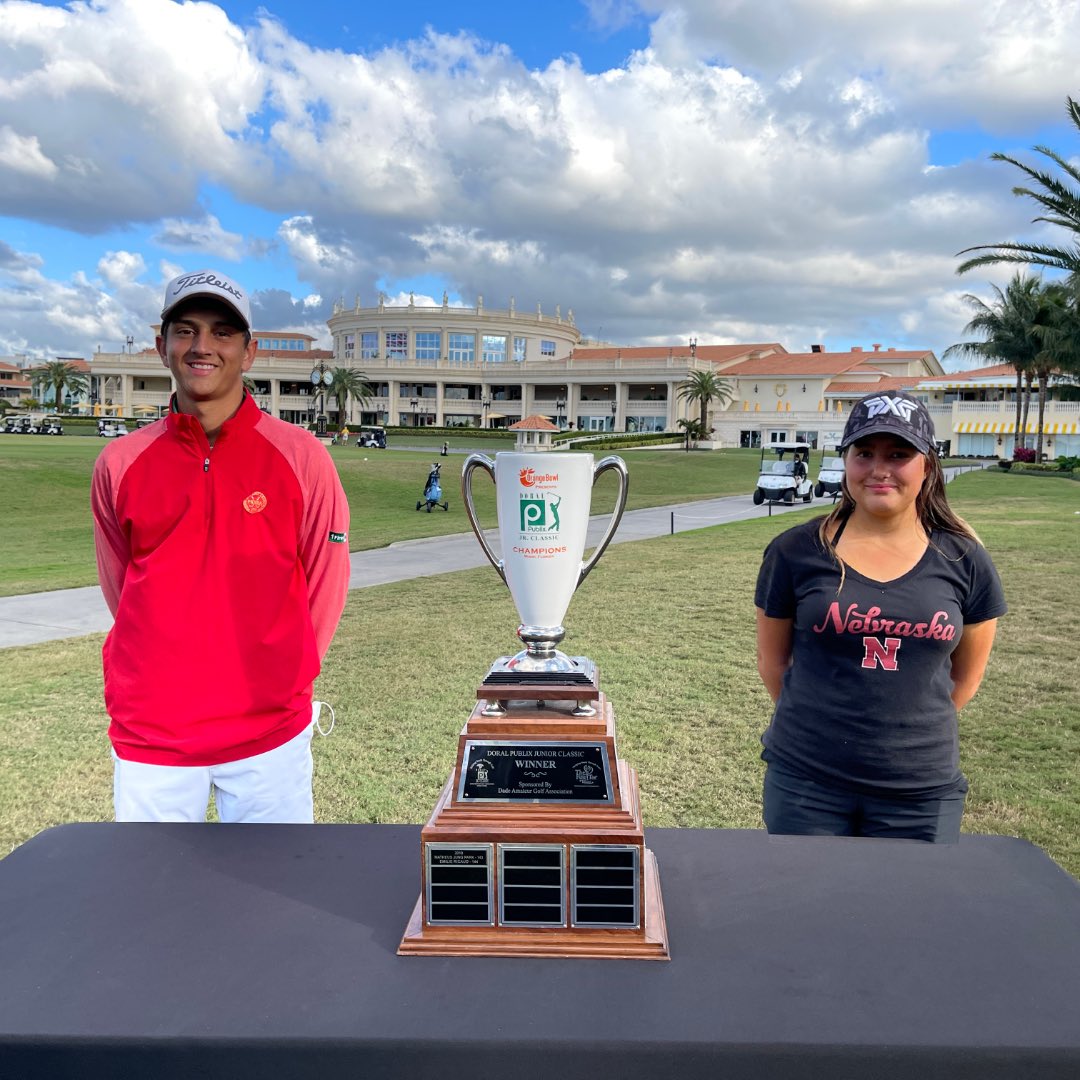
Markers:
<point>1002,427</point>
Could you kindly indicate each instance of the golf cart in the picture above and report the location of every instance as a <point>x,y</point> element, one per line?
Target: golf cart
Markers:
<point>111,429</point>
<point>785,479</point>
<point>830,474</point>
<point>373,438</point>
<point>51,425</point>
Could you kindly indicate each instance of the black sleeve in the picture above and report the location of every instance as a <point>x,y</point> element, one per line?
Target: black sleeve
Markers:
<point>774,593</point>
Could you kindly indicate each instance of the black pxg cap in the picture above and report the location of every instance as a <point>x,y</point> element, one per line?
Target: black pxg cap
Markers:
<point>893,413</point>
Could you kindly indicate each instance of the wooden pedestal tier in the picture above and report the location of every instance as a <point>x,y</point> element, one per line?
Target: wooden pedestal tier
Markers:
<point>535,846</point>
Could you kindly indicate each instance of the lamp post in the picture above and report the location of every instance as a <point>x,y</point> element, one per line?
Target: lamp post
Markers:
<point>321,379</point>
<point>560,404</point>
<point>614,410</point>
<point>485,404</point>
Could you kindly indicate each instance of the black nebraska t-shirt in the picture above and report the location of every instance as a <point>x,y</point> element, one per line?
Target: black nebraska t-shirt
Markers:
<point>866,701</point>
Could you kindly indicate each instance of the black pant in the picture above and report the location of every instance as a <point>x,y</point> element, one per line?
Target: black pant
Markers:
<point>794,804</point>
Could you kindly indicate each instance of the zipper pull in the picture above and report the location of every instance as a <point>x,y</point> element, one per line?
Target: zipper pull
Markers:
<point>206,465</point>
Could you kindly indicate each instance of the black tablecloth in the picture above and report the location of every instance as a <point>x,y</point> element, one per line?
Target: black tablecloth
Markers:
<point>160,951</point>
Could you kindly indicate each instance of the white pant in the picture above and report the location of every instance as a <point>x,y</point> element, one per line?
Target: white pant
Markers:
<point>274,787</point>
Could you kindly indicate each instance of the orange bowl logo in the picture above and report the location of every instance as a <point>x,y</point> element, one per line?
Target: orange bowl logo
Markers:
<point>255,503</point>
<point>527,477</point>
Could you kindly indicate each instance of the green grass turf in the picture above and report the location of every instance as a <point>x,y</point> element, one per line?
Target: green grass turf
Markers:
<point>670,623</point>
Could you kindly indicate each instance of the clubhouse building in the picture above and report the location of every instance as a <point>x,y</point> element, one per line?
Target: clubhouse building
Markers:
<point>445,366</point>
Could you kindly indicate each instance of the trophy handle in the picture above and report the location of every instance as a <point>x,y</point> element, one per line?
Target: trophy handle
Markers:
<point>472,463</point>
<point>616,464</point>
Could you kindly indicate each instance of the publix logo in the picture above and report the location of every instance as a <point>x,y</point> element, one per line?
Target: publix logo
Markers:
<point>539,514</point>
<point>530,478</point>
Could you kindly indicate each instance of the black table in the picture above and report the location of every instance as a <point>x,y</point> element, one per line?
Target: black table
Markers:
<point>159,951</point>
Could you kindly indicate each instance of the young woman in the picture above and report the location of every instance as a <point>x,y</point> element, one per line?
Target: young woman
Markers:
<point>874,626</point>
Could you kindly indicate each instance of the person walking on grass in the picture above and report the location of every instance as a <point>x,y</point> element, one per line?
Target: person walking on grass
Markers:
<point>222,549</point>
<point>874,627</point>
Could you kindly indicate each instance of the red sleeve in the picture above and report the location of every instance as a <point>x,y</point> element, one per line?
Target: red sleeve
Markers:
<point>110,541</point>
<point>324,544</point>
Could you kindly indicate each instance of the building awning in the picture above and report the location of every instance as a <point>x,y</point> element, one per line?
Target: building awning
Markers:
<point>1008,427</point>
<point>496,416</point>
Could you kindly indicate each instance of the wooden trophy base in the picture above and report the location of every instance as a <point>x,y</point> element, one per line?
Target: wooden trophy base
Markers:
<point>535,846</point>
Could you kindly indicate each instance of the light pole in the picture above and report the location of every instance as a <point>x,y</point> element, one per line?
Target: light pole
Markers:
<point>321,379</point>
<point>614,410</point>
<point>560,404</point>
<point>485,404</point>
<point>413,402</point>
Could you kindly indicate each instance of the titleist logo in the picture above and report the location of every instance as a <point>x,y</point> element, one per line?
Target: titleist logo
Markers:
<point>189,280</point>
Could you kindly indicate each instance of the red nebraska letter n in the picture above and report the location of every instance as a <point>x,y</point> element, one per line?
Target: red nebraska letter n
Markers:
<point>874,653</point>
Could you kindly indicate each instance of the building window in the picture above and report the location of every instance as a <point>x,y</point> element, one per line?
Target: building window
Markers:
<point>494,349</point>
<point>369,345</point>
<point>462,349</point>
<point>547,348</point>
<point>428,345</point>
<point>519,349</point>
<point>350,346</point>
<point>397,344</point>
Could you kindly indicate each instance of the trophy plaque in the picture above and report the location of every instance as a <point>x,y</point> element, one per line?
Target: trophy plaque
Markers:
<point>536,846</point>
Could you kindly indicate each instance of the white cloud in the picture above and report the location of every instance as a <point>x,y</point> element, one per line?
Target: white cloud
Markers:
<point>204,236</point>
<point>759,171</point>
<point>22,154</point>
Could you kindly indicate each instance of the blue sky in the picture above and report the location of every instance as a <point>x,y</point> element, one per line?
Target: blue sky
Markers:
<point>732,171</point>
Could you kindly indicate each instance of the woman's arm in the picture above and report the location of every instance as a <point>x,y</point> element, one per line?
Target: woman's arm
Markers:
<point>773,651</point>
<point>969,660</point>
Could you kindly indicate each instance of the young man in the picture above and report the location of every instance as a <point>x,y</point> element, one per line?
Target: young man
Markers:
<point>222,548</point>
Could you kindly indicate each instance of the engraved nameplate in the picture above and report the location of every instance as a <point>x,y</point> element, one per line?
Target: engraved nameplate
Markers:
<point>459,884</point>
<point>562,772</point>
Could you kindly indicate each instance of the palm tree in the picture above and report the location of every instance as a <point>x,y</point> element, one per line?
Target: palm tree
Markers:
<point>1058,331</point>
<point>1060,198</point>
<point>692,429</point>
<point>346,382</point>
<point>704,387</point>
<point>58,374</point>
<point>1008,329</point>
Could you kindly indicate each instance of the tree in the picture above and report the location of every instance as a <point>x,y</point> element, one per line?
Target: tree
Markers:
<point>1058,331</point>
<point>704,387</point>
<point>1060,198</point>
<point>693,430</point>
<point>1008,330</point>
<point>58,374</point>
<point>346,382</point>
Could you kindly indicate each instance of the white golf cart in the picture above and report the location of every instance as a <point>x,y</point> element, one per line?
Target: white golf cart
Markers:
<point>787,478</point>
<point>111,428</point>
<point>830,474</point>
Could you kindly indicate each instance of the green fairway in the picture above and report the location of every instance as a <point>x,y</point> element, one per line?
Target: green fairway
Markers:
<point>47,538</point>
<point>670,623</point>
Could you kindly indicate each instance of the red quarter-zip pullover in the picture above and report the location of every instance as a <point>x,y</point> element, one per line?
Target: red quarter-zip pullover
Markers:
<point>226,571</point>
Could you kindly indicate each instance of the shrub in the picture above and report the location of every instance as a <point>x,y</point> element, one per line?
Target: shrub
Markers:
<point>1024,453</point>
<point>1004,463</point>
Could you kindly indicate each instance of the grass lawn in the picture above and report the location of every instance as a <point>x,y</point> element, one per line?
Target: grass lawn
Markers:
<point>46,533</point>
<point>670,623</point>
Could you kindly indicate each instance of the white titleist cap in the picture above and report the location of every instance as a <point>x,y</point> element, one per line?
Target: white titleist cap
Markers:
<point>207,283</point>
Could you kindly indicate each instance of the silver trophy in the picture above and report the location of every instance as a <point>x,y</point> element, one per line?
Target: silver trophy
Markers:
<point>543,503</point>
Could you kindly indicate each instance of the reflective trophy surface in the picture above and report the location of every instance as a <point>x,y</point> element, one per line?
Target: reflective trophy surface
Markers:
<point>536,846</point>
<point>543,503</point>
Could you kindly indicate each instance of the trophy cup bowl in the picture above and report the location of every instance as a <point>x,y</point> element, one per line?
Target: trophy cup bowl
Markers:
<point>543,503</point>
